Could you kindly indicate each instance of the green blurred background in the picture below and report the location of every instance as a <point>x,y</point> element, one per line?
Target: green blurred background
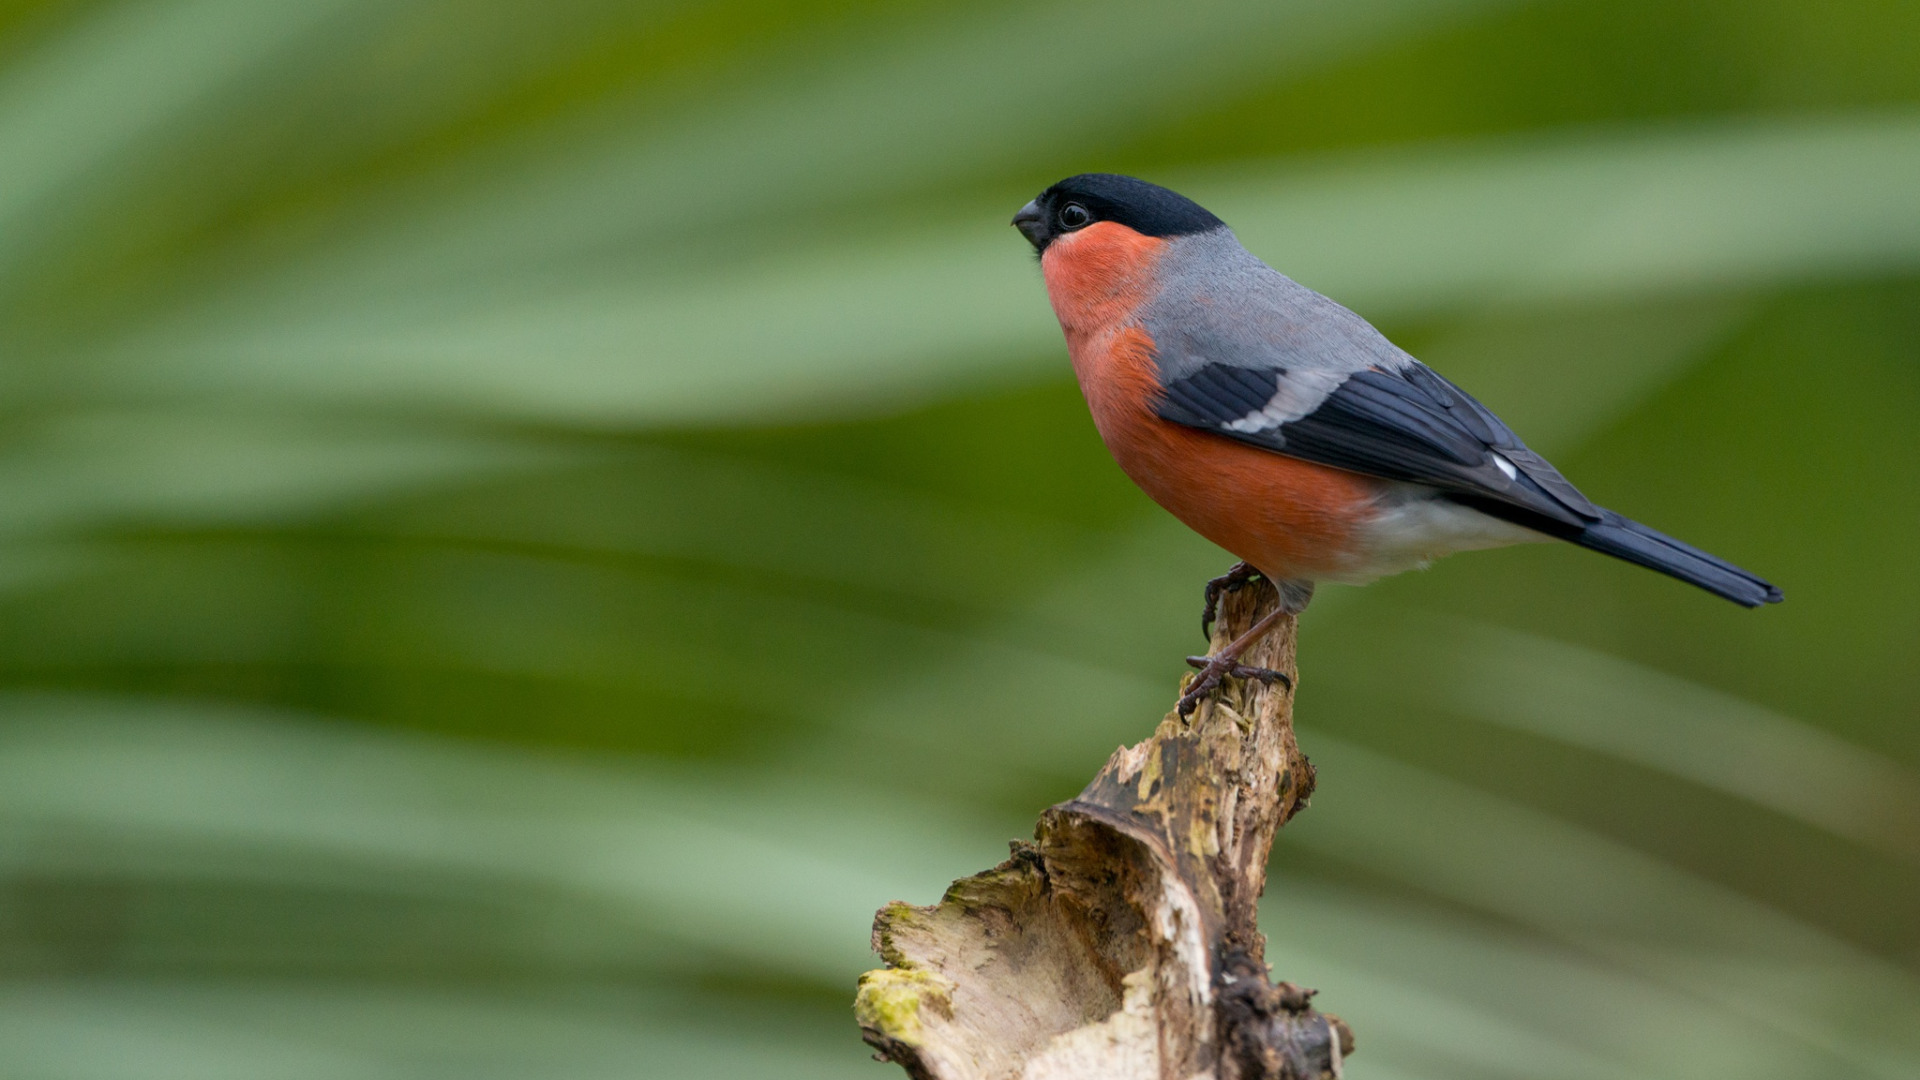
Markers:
<point>522,524</point>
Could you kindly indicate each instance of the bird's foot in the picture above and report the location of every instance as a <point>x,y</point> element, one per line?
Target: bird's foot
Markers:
<point>1233,580</point>
<point>1216,669</point>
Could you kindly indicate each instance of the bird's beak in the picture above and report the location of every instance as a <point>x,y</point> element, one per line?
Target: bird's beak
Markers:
<point>1032,223</point>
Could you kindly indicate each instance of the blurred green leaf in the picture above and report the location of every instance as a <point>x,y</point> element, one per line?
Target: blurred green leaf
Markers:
<point>846,326</point>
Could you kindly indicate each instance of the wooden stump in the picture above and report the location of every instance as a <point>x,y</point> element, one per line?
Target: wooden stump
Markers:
<point>1122,942</point>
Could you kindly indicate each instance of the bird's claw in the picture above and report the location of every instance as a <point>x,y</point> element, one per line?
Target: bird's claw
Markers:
<point>1216,669</point>
<point>1233,580</point>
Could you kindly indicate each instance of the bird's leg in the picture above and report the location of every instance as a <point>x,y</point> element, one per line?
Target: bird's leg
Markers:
<point>1226,662</point>
<point>1232,581</point>
<point>1294,597</point>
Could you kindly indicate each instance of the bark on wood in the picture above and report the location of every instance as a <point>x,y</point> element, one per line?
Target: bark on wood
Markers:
<point>1122,942</point>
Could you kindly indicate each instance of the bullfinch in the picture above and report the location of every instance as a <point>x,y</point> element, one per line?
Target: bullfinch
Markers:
<point>1285,428</point>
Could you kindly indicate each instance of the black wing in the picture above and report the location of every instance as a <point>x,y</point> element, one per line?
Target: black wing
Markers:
<point>1410,424</point>
<point>1403,424</point>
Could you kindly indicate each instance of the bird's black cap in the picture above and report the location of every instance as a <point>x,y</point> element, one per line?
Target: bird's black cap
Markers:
<point>1079,201</point>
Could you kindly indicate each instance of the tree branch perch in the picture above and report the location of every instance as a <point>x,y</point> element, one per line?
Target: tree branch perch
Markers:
<point>1122,942</point>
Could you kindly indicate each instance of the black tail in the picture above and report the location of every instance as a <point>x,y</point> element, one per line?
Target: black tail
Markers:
<point>1634,542</point>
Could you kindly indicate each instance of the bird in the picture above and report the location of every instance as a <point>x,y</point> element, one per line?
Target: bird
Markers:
<point>1284,427</point>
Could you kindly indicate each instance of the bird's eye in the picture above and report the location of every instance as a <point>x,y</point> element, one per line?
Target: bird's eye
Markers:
<point>1074,216</point>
